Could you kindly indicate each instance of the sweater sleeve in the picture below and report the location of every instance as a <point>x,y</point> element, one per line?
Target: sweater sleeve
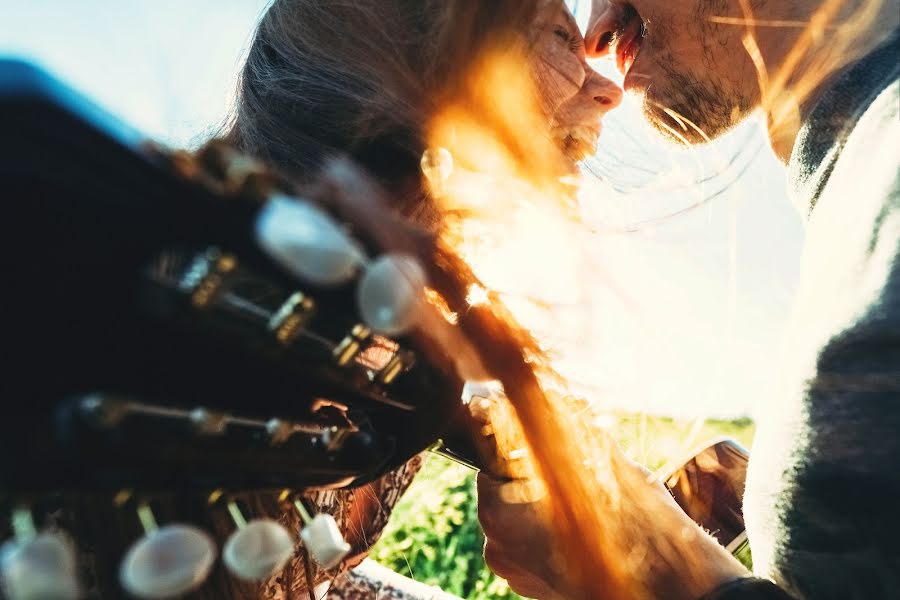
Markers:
<point>823,494</point>
<point>748,589</point>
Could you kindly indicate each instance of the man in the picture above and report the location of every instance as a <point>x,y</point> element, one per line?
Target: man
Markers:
<point>822,503</point>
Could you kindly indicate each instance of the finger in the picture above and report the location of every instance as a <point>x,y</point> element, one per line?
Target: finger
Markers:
<point>510,523</point>
<point>497,491</point>
<point>498,560</point>
<point>524,576</point>
<point>490,506</point>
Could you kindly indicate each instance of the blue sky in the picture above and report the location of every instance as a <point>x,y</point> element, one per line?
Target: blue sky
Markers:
<point>689,310</point>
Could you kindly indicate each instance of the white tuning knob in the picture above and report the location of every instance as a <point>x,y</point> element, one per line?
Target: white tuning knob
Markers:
<point>167,562</point>
<point>40,568</point>
<point>390,294</point>
<point>257,549</point>
<point>306,241</point>
<point>482,397</point>
<point>437,166</point>
<point>322,538</point>
<point>324,541</point>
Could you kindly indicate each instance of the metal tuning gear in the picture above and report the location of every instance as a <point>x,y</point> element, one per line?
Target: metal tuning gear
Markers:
<point>206,276</point>
<point>401,361</point>
<point>37,565</point>
<point>168,561</point>
<point>258,548</point>
<point>289,321</point>
<point>352,345</point>
<point>226,170</point>
<point>223,171</point>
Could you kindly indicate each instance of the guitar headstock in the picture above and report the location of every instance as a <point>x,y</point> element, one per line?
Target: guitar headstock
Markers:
<point>194,324</point>
<point>189,322</point>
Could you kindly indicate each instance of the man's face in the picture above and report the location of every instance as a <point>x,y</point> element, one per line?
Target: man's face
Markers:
<point>695,74</point>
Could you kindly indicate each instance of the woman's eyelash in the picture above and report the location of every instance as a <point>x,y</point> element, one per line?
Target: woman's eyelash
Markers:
<point>575,42</point>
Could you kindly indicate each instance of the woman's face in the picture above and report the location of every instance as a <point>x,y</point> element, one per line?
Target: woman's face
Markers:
<point>572,94</point>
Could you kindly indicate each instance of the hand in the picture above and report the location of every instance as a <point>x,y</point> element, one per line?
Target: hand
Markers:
<point>518,543</point>
<point>679,562</point>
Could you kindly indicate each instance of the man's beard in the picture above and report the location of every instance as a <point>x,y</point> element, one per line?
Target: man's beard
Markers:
<point>692,106</point>
<point>690,111</point>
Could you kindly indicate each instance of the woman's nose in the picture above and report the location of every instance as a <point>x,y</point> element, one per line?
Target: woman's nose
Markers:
<point>606,94</point>
<point>597,97</point>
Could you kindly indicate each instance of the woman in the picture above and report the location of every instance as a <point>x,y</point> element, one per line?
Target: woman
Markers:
<point>362,79</point>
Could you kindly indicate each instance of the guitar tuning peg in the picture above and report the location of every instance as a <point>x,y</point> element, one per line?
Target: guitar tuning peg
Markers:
<point>307,242</point>
<point>322,537</point>
<point>482,398</point>
<point>168,561</point>
<point>36,566</point>
<point>390,294</point>
<point>437,166</point>
<point>257,549</point>
<point>207,422</point>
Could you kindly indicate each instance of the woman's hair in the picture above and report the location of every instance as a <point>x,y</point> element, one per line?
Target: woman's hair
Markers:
<point>361,79</point>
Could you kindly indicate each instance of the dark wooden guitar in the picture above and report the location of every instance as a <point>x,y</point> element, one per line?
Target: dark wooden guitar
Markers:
<point>157,337</point>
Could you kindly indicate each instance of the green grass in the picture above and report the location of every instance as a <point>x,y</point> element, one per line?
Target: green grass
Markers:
<point>434,536</point>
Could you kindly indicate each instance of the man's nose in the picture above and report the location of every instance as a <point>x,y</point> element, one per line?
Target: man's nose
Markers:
<point>601,28</point>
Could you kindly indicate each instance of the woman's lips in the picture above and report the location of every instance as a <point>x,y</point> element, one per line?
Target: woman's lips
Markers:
<point>628,42</point>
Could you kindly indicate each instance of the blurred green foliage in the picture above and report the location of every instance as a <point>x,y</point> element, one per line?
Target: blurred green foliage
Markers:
<point>434,536</point>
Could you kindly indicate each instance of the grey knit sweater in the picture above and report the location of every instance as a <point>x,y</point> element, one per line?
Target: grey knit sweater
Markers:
<point>823,495</point>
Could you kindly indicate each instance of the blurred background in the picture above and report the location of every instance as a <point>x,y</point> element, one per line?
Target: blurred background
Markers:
<point>699,249</point>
